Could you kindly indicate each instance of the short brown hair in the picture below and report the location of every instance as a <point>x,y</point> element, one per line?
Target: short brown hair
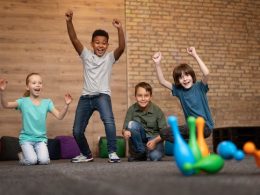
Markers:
<point>177,72</point>
<point>144,85</point>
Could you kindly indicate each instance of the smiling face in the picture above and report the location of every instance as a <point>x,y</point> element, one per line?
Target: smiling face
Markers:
<point>186,80</point>
<point>34,85</point>
<point>100,45</point>
<point>143,97</point>
<point>184,76</point>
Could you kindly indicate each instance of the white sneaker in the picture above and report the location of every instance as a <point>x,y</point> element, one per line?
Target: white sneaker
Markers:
<point>113,158</point>
<point>82,158</point>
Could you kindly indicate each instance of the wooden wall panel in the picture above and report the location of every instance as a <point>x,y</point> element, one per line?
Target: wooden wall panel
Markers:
<point>33,38</point>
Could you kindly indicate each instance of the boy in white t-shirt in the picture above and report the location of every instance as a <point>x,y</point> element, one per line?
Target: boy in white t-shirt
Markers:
<point>97,67</point>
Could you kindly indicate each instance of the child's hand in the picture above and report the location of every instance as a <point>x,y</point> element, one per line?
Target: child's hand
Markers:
<point>69,15</point>
<point>68,98</point>
<point>191,51</point>
<point>116,23</point>
<point>157,57</point>
<point>127,134</point>
<point>151,145</point>
<point>3,84</point>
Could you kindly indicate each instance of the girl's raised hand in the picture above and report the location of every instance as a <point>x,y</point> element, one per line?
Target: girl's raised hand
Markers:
<point>3,84</point>
<point>157,57</point>
<point>68,98</point>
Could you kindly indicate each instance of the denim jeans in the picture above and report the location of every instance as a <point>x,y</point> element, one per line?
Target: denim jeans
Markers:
<point>167,135</point>
<point>139,140</point>
<point>86,106</point>
<point>35,153</point>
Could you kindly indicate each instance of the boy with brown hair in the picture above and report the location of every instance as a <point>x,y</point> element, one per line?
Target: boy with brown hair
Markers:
<point>142,125</point>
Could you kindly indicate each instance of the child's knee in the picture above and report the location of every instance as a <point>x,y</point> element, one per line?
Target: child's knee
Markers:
<point>29,161</point>
<point>133,126</point>
<point>155,155</point>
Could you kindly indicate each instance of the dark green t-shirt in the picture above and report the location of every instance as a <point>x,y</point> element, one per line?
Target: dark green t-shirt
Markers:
<point>152,119</point>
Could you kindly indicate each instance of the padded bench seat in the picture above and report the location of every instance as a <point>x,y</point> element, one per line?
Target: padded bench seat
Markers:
<point>238,135</point>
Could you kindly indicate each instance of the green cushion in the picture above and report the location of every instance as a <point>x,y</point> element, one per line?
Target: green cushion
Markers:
<point>120,143</point>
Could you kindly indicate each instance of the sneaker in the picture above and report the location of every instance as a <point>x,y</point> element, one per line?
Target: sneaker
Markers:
<point>82,158</point>
<point>113,158</point>
<point>138,157</point>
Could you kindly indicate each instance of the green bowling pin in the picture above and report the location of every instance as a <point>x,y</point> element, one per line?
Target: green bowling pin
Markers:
<point>210,164</point>
<point>193,144</point>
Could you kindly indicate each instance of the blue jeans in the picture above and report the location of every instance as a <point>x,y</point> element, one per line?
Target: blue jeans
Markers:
<point>86,106</point>
<point>35,153</point>
<point>139,140</point>
<point>166,134</point>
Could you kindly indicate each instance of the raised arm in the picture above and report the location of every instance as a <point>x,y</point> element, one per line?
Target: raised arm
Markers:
<point>4,102</point>
<point>72,34</point>
<point>121,39</point>
<point>61,114</point>
<point>157,59</point>
<point>204,69</point>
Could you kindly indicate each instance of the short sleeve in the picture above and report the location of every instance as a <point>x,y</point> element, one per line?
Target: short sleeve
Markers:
<point>19,102</point>
<point>204,87</point>
<point>111,57</point>
<point>50,106</point>
<point>85,53</point>
<point>174,90</point>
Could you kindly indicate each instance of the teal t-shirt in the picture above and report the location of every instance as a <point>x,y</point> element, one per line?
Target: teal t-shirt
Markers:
<point>34,119</point>
<point>194,101</point>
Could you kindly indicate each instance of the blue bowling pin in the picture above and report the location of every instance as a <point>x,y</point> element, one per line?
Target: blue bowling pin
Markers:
<point>228,150</point>
<point>181,150</point>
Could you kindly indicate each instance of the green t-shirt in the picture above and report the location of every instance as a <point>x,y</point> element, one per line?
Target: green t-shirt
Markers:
<point>153,119</point>
<point>34,119</point>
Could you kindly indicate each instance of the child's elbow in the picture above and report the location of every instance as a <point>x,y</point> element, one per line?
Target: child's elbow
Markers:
<point>206,74</point>
<point>122,48</point>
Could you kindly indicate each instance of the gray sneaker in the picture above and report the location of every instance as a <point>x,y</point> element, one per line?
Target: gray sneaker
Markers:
<point>82,158</point>
<point>113,158</point>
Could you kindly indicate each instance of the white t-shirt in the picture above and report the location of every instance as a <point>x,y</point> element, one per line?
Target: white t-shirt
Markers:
<point>97,72</point>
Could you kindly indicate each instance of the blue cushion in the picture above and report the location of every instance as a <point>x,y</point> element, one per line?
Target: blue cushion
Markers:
<point>168,148</point>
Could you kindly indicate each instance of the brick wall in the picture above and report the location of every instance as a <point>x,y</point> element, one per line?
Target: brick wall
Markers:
<point>226,35</point>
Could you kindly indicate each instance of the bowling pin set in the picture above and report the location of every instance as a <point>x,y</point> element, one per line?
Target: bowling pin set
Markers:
<point>195,157</point>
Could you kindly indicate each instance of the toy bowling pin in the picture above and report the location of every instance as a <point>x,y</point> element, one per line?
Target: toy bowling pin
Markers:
<point>181,150</point>
<point>192,138</point>
<point>249,148</point>
<point>200,123</point>
<point>211,164</point>
<point>228,150</point>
